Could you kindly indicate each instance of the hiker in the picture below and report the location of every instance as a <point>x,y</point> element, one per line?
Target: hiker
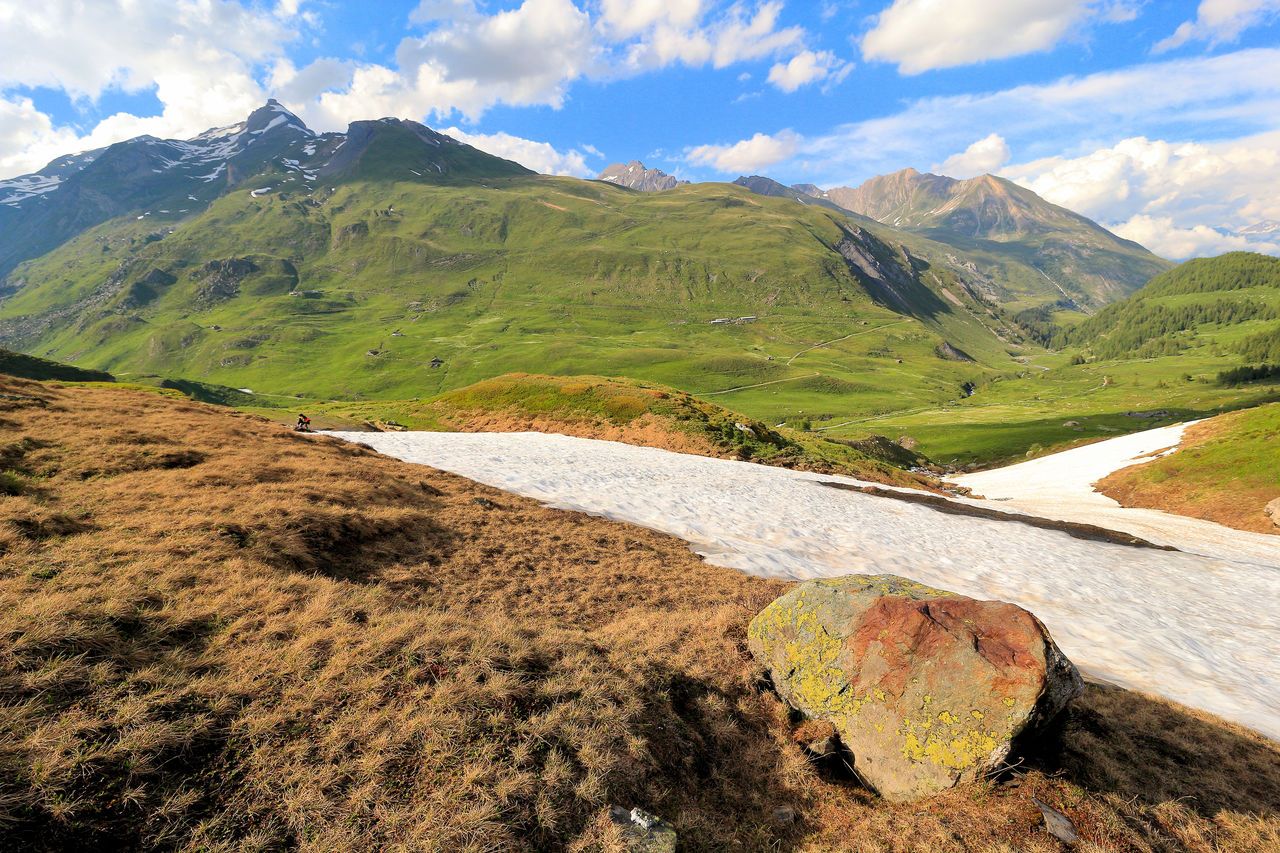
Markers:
<point>304,424</point>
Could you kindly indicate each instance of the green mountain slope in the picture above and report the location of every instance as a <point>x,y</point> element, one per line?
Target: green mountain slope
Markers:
<point>354,288</point>
<point>30,367</point>
<point>1026,251</point>
<point>1231,302</point>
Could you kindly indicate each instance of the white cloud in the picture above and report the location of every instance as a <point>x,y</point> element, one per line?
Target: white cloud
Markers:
<point>1220,20</point>
<point>986,155</point>
<point>1185,198</point>
<point>468,61</point>
<point>749,155</point>
<point>1235,94</point>
<point>539,156</point>
<point>633,17</point>
<point>1162,236</point>
<point>807,67</point>
<point>922,35</point>
<point>737,34</point>
<point>197,56</point>
<point>211,62</point>
<point>28,139</point>
<point>1110,174</point>
<point>85,48</point>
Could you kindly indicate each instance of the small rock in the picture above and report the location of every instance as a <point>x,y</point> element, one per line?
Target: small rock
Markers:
<point>1273,510</point>
<point>1058,824</point>
<point>783,815</point>
<point>1071,423</point>
<point>824,747</point>
<point>644,832</point>
<point>484,502</point>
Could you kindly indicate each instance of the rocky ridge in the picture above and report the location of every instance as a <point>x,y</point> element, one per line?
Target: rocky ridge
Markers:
<point>637,177</point>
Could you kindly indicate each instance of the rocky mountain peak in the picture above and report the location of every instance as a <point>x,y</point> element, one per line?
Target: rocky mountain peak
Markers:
<point>635,176</point>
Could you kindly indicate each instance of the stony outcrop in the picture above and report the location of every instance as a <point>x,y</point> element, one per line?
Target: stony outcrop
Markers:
<point>1273,512</point>
<point>925,688</point>
<point>637,177</point>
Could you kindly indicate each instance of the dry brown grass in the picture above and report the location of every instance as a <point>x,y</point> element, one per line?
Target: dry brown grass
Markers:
<point>216,634</point>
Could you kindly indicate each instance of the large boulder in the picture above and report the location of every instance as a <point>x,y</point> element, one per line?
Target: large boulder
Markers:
<point>926,688</point>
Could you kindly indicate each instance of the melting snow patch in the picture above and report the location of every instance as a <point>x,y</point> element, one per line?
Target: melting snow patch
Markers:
<point>1196,628</point>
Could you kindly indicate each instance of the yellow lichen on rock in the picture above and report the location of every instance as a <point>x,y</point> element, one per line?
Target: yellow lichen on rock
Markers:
<point>925,687</point>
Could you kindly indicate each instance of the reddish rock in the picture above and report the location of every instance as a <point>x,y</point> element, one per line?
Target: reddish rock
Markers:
<point>925,687</point>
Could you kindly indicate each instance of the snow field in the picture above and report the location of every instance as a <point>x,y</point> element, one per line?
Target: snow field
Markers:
<point>1199,628</point>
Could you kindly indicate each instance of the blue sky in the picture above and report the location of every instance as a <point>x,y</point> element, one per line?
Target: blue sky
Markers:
<point>1158,119</point>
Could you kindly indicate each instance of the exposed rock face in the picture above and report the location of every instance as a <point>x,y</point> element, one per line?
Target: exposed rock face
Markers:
<point>637,177</point>
<point>1273,512</point>
<point>925,687</point>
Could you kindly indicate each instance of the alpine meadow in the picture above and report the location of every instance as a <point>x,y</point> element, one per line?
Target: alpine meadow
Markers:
<point>601,427</point>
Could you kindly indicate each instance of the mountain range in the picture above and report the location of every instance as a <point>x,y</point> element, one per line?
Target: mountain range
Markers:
<point>1087,264</point>
<point>391,259</point>
<point>146,176</point>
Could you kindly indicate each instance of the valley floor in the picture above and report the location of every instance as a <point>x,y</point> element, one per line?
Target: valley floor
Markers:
<point>1184,624</point>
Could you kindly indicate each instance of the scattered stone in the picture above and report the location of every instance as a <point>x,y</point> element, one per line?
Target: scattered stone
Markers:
<point>1071,423</point>
<point>645,833</point>
<point>829,745</point>
<point>484,503</point>
<point>1057,824</point>
<point>783,815</point>
<point>1273,510</point>
<point>925,688</point>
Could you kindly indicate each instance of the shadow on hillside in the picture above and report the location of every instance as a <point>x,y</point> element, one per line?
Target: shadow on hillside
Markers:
<point>1146,750</point>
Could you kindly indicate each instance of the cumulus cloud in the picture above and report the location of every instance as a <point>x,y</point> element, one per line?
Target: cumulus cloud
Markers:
<point>210,62</point>
<point>466,62</point>
<point>28,139</point>
<point>1236,94</point>
<point>1166,239</point>
<point>808,67</point>
<point>633,17</point>
<point>749,155</point>
<point>541,157</point>
<point>734,35</point>
<point>922,35</point>
<point>986,155</point>
<point>1186,198</point>
<point>1219,21</point>
<point>197,56</point>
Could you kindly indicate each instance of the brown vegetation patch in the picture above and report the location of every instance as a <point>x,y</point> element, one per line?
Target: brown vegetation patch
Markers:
<point>298,644</point>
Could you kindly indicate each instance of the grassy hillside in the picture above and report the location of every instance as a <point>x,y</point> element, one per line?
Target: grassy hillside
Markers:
<point>351,291</point>
<point>1226,470</point>
<point>1197,340</point>
<point>633,413</point>
<point>30,367</point>
<point>1233,298</point>
<point>219,635</point>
